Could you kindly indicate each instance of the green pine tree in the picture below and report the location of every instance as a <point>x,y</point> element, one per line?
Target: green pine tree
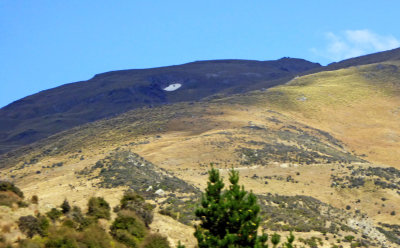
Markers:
<point>230,218</point>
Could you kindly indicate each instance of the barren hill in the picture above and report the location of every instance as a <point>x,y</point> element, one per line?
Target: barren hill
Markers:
<point>320,151</point>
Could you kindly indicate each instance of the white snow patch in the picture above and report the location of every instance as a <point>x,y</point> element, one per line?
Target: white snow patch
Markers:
<point>172,87</point>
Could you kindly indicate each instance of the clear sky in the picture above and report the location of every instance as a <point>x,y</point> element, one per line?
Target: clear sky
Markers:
<point>44,44</point>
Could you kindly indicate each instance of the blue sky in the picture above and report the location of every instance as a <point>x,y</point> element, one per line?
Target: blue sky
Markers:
<point>44,44</point>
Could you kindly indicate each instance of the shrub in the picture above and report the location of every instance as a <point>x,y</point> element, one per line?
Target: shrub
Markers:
<point>290,240</point>
<point>311,242</point>
<point>80,222</point>
<point>54,214</point>
<point>180,245</point>
<point>8,186</point>
<point>32,226</point>
<point>61,242</point>
<point>95,236</point>
<point>169,212</point>
<point>275,239</point>
<point>349,238</point>
<point>65,207</point>
<point>35,199</point>
<point>44,225</point>
<point>70,223</point>
<point>28,243</point>
<point>126,238</point>
<point>128,228</point>
<point>98,208</point>
<point>22,204</point>
<point>135,202</point>
<point>76,214</point>
<point>155,241</point>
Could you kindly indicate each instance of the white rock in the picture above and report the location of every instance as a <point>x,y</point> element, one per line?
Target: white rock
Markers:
<point>160,192</point>
<point>284,165</point>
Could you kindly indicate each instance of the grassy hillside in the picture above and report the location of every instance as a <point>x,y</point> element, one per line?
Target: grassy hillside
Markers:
<point>316,150</point>
<point>359,106</point>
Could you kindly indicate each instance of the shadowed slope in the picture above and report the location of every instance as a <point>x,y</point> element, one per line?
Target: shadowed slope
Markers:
<point>108,94</point>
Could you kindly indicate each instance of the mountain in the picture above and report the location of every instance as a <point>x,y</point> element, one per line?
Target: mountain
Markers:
<point>320,152</point>
<point>390,55</point>
<point>108,94</point>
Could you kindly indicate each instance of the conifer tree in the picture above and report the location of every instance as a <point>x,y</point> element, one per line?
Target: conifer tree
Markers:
<point>230,218</point>
<point>210,212</point>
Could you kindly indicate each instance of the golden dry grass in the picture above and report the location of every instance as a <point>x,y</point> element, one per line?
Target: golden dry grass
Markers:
<point>363,112</point>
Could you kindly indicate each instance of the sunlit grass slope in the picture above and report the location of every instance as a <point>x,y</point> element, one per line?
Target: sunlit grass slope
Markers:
<point>359,105</point>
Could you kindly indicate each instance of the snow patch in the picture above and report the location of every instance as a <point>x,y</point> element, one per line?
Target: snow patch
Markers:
<point>172,87</point>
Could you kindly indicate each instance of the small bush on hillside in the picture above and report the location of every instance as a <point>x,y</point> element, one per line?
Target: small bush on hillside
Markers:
<point>76,215</point>
<point>28,243</point>
<point>98,208</point>
<point>61,242</point>
<point>65,207</point>
<point>35,199</point>
<point>70,223</point>
<point>54,214</point>
<point>31,225</point>
<point>128,229</point>
<point>169,212</point>
<point>80,221</point>
<point>93,236</point>
<point>44,225</point>
<point>155,241</point>
<point>124,237</point>
<point>348,238</point>
<point>135,202</point>
<point>275,239</point>
<point>8,186</point>
<point>22,204</point>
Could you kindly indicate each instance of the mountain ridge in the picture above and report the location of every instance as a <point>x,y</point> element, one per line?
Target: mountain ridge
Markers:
<point>111,93</point>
